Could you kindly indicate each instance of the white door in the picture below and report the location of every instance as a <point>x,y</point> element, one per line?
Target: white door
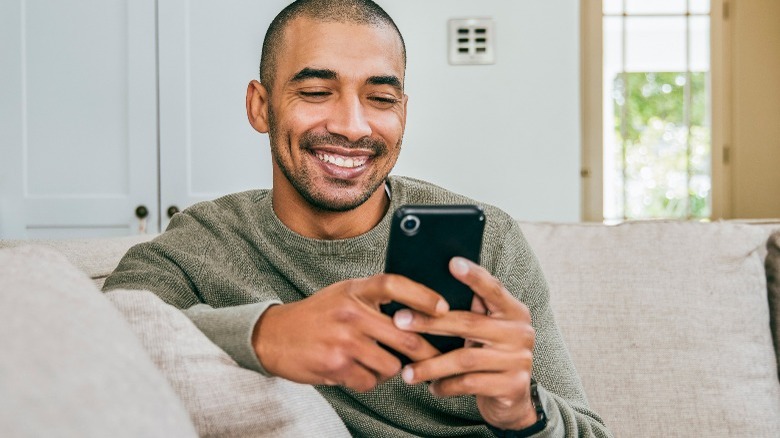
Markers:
<point>78,117</point>
<point>209,51</point>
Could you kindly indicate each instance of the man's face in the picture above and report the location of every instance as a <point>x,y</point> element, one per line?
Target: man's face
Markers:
<point>337,111</point>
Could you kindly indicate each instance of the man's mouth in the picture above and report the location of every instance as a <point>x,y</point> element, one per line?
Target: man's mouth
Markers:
<point>341,161</point>
<point>340,157</point>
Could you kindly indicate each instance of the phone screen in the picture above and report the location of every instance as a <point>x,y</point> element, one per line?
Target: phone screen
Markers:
<point>423,240</point>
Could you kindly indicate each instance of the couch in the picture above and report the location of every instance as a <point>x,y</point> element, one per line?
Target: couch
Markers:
<point>673,327</point>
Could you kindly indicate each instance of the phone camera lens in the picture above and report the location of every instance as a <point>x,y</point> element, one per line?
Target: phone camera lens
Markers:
<point>410,224</point>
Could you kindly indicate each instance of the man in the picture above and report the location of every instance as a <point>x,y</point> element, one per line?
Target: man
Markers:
<point>289,282</point>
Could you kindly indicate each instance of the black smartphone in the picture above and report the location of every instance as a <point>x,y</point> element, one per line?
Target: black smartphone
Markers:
<point>423,240</point>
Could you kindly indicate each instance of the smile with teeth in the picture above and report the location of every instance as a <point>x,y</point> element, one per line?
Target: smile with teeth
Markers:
<point>345,162</point>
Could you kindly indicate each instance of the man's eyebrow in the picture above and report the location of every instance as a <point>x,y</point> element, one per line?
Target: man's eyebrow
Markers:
<point>393,81</point>
<point>314,73</point>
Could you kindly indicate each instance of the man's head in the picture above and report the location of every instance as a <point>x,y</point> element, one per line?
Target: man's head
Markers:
<point>363,12</point>
<point>332,101</point>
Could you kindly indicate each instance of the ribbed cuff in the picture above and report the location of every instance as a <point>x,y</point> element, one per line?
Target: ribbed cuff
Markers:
<point>231,329</point>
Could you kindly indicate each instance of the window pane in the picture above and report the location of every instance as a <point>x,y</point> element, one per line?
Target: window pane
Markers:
<point>656,6</point>
<point>612,104</point>
<point>700,6</point>
<point>700,43</point>
<point>655,44</point>
<point>613,7</point>
<point>613,46</point>
<point>656,152</point>
<point>657,136</point>
<point>700,144</point>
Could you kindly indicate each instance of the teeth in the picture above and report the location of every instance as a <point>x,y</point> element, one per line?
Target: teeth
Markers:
<point>347,163</point>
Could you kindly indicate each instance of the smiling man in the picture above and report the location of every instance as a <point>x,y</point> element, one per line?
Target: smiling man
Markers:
<point>289,281</point>
<point>335,110</point>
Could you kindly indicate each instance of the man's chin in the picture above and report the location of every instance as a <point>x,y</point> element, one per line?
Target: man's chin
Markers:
<point>348,197</point>
<point>329,194</point>
<point>332,205</point>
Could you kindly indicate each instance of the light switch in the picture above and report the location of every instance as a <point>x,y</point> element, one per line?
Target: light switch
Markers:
<point>472,41</point>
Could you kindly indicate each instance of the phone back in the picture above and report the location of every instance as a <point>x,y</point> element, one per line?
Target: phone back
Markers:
<point>423,240</point>
<point>422,250</point>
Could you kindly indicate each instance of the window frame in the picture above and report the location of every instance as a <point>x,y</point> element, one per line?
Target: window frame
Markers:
<point>591,109</point>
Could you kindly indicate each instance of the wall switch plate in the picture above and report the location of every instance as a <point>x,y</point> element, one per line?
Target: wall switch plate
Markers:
<point>472,41</point>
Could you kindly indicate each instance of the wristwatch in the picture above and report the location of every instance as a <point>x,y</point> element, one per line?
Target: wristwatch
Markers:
<point>537,427</point>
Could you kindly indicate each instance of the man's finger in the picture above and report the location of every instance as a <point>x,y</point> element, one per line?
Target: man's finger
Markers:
<point>496,298</point>
<point>504,334</point>
<point>384,288</point>
<point>483,384</point>
<point>462,361</point>
<point>410,344</point>
<point>377,360</point>
<point>355,377</point>
<point>478,305</point>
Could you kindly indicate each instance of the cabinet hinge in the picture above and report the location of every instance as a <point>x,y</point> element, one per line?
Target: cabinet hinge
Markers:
<point>726,10</point>
<point>726,154</point>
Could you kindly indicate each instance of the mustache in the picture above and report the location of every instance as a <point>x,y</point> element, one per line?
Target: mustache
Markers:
<point>309,140</point>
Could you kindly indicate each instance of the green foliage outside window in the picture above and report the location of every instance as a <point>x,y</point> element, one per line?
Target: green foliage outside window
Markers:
<point>665,157</point>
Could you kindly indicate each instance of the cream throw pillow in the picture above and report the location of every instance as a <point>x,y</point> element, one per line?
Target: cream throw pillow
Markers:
<point>70,366</point>
<point>224,400</point>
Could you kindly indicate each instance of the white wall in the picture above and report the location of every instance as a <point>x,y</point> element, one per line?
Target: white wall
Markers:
<point>507,134</point>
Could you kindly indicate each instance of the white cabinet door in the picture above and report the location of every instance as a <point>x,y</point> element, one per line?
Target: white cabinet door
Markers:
<point>209,51</point>
<point>78,117</point>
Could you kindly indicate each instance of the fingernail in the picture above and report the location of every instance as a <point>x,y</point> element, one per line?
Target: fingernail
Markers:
<point>432,389</point>
<point>403,318</point>
<point>460,266</point>
<point>442,307</point>
<point>407,374</point>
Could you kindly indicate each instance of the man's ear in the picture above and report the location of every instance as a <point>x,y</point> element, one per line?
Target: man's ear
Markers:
<point>406,101</point>
<point>257,106</point>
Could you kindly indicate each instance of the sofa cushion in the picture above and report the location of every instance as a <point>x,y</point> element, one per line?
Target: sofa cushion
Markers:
<point>96,257</point>
<point>223,399</point>
<point>773,286</point>
<point>70,366</point>
<point>667,323</point>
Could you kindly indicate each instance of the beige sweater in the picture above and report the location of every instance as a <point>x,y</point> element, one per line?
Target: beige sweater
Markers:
<point>227,260</point>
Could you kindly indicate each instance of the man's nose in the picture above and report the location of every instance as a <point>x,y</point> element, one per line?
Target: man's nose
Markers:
<point>350,119</point>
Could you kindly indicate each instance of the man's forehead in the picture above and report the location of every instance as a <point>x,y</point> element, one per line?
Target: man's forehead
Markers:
<point>312,43</point>
<point>304,25</point>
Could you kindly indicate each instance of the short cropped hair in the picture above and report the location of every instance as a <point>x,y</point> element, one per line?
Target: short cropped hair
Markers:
<point>364,12</point>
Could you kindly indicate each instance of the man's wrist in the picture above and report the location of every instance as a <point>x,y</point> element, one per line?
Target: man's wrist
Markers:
<point>538,426</point>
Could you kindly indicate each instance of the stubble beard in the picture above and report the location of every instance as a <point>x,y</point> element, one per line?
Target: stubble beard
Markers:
<point>301,179</point>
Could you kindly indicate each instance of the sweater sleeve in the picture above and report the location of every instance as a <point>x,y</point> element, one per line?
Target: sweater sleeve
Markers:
<point>231,329</point>
<point>560,389</point>
<point>174,266</point>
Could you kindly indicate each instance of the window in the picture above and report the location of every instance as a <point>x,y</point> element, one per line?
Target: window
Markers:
<point>653,107</point>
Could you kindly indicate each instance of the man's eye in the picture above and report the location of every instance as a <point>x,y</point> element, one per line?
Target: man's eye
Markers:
<point>314,95</point>
<point>384,102</point>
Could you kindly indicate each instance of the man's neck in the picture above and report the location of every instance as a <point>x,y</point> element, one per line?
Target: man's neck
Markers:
<point>301,217</point>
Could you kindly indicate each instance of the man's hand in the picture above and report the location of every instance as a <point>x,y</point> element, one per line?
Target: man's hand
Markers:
<point>331,337</point>
<point>496,363</point>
